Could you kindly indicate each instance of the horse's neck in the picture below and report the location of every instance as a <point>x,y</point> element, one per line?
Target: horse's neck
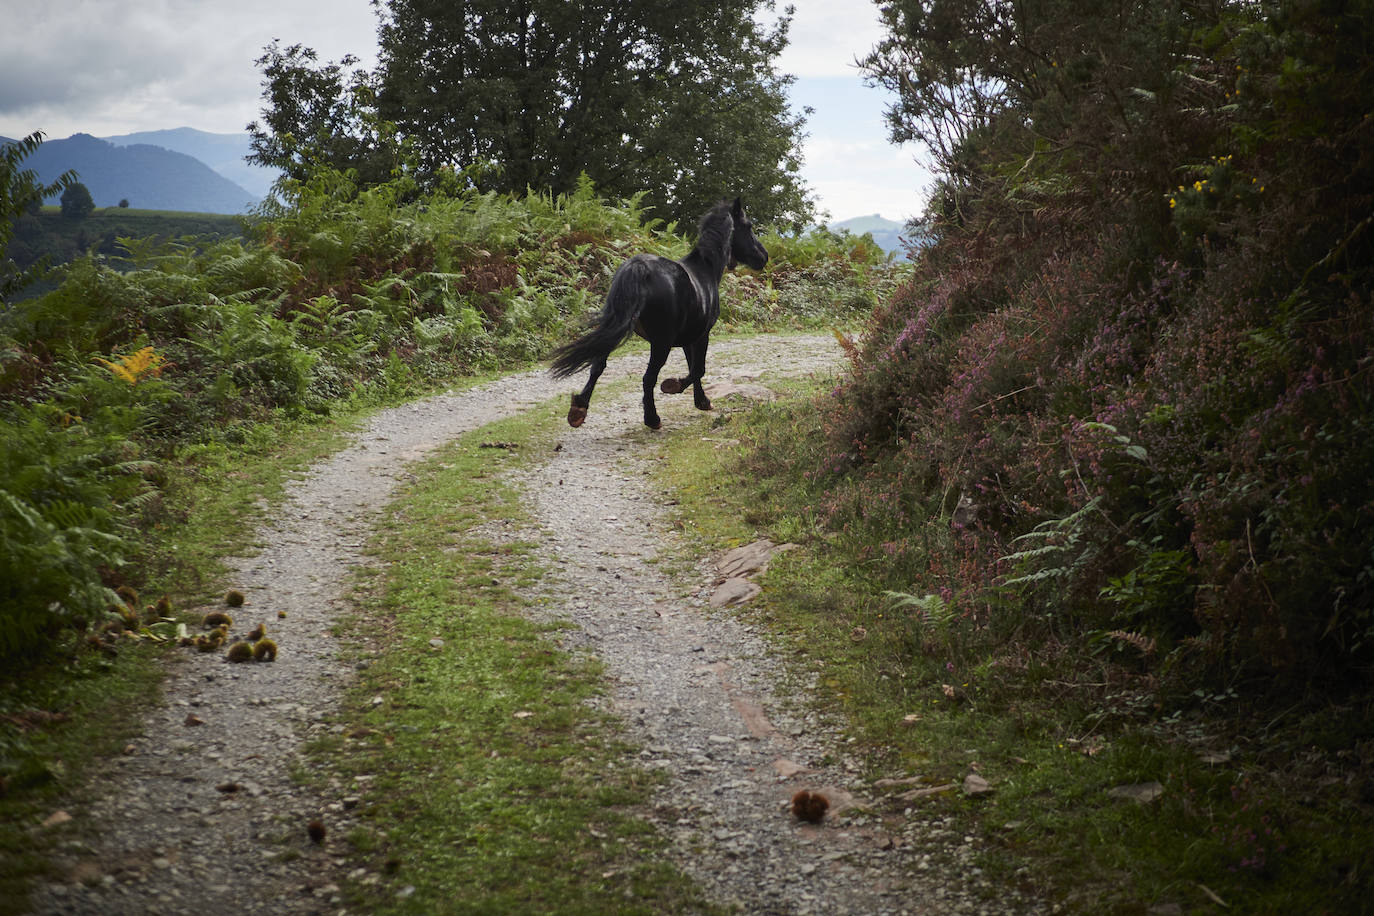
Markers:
<point>705,265</point>
<point>710,255</point>
<point>706,261</point>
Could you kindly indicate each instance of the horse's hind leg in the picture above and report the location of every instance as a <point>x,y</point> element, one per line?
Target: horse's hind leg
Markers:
<point>583,399</point>
<point>658,355</point>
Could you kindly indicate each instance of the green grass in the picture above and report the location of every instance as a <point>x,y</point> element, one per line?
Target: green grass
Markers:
<point>494,786</point>
<point>1266,821</point>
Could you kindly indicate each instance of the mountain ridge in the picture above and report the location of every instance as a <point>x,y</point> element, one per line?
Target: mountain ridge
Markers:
<point>147,176</point>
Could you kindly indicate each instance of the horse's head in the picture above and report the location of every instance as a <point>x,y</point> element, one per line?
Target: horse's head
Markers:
<point>744,247</point>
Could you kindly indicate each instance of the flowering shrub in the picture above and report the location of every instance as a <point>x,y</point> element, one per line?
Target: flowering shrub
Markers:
<point>1129,388</point>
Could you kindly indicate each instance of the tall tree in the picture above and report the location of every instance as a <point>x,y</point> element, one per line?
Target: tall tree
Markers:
<point>77,202</point>
<point>679,99</point>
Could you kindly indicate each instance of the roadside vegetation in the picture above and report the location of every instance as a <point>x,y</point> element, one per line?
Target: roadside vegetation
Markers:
<point>146,407</point>
<point>1091,508</point>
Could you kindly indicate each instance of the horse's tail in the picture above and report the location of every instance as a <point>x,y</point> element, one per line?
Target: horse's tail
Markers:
<point>629,292</point>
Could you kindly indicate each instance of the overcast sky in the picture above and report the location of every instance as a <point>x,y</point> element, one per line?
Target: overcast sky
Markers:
<point>111,67</point>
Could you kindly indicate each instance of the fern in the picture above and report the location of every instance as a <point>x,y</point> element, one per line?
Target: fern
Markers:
<point>1062,542</point>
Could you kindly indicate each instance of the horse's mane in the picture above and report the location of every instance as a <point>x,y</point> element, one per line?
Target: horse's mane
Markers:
<point>714,231</point>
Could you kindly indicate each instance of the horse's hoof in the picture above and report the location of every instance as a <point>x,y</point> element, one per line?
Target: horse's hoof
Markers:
<point>576,416</point>
<point>653,422</point>
<point>703,405</point>
<point>670,386</point>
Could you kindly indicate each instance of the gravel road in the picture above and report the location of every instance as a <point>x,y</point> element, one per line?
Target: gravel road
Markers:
<point>200,814</point>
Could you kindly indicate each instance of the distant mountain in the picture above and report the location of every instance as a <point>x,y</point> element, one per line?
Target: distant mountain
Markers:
<point>225,153</point>
<point>149,177</point>
<point>888,233</point>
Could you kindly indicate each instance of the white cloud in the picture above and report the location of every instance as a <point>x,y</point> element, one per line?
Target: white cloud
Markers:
<point>827,35</point>
<point>111,66</point>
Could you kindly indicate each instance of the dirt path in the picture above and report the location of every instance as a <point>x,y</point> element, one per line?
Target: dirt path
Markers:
<point>201,814</point>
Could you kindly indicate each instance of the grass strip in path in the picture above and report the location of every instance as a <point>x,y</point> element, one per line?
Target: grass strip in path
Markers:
<point>486,782</point>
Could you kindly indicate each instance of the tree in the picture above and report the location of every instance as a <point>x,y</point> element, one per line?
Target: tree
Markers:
<point>20,192</point>
<point>676,99</point>
<point>321,115</point>
<point>76,201</point>
<point>1018,95</point>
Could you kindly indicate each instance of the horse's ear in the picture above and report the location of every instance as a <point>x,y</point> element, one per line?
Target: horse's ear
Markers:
<point>738,209</point>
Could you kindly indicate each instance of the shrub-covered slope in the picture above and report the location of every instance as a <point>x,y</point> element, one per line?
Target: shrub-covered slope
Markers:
<point>1129,390</point>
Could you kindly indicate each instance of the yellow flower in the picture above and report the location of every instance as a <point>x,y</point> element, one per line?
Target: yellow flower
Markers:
<point>1172,203</point>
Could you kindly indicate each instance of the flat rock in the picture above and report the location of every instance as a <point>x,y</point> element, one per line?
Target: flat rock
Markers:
<point>743,390</point>
<point>733,591</point>
<point>750,559</point>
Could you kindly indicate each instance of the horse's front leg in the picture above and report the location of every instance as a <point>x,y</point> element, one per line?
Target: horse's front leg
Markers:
<point>583,399</point>
<point>696,369</point>
<point>658,355</point>
<point>696,364</point>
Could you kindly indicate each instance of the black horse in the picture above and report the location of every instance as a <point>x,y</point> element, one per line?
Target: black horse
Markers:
<point>668,303</point>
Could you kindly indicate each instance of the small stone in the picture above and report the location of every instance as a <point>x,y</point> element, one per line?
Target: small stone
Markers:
<point>1142,792</point>
<point>56,818</point>
<point>976,786</point>
<point>436,643</point>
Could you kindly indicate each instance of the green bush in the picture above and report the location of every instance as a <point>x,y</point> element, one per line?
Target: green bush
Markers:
<point>71,487</point>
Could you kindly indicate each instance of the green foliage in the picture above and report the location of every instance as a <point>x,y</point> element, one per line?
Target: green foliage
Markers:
<point>321,116</point>
<point>20,193</point>
<point>68,484</point>
<point>1138,345</point>
<point>44,236</point>
<point>341,294</point>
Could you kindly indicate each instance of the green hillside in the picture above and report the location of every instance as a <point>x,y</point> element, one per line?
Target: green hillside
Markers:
<point>63,240</point>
